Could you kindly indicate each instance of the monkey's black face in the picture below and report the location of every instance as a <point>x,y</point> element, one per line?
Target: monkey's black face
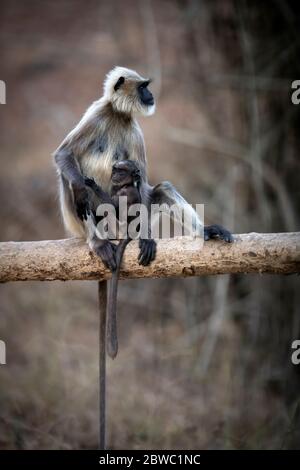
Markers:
<point>145,95</point>
<point>125,172</point>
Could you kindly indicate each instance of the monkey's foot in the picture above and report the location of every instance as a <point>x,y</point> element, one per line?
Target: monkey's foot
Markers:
<point>147,251</point>
<point>217,231</point>
<point>107,252</point>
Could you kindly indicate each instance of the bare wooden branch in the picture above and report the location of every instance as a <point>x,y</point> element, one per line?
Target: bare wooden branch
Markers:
<point>71,259</point>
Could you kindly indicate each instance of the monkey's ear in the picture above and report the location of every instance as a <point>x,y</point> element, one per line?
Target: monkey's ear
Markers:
<point>119,83</point>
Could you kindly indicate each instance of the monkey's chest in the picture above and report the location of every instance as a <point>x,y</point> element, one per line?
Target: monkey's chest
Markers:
<point>98,165</point>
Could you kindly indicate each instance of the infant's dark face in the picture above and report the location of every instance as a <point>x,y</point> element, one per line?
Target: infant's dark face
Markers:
<point>125,172</point>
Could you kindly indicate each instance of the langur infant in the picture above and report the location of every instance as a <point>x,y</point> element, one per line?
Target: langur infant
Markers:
<point>125,181</point>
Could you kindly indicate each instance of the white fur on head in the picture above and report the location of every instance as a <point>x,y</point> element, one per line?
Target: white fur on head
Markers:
<point>125,99</point>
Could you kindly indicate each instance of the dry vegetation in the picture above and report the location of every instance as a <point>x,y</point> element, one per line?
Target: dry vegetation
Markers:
<point>204,362</point>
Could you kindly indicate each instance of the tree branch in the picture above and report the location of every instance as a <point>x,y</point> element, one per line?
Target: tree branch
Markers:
<point>71,259</point>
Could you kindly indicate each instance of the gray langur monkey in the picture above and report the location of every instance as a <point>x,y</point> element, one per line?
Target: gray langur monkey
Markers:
<point>109,132</point>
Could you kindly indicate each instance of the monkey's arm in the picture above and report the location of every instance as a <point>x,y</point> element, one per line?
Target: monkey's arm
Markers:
<point>100,193</point>
<point>103,248</point>
<point>69,169</point>
<point>147,245</point>
<point>68,166</point>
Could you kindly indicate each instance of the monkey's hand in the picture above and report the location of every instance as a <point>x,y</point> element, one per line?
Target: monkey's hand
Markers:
<point>107,252</point>
<point>147,251</point>
<point>81,200</point>
<point>217,231</point>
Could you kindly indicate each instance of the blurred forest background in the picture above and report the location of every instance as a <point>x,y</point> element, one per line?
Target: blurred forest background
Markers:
<point>203,362</point>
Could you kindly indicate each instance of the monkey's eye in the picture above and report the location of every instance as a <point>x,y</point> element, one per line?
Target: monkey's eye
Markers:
<point>144,84</point>
<point>119,83</point>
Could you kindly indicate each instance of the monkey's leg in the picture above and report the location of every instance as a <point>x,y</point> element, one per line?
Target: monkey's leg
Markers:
<point>147,245</point>
<point>166,193</point>
<point>106,251</point>
<point>102,299</point>
<point>112,331</point>
<point>102,247</point>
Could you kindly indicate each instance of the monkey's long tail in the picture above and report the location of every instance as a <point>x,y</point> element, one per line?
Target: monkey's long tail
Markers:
<point>112,333</point>
<point>102,299</point>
